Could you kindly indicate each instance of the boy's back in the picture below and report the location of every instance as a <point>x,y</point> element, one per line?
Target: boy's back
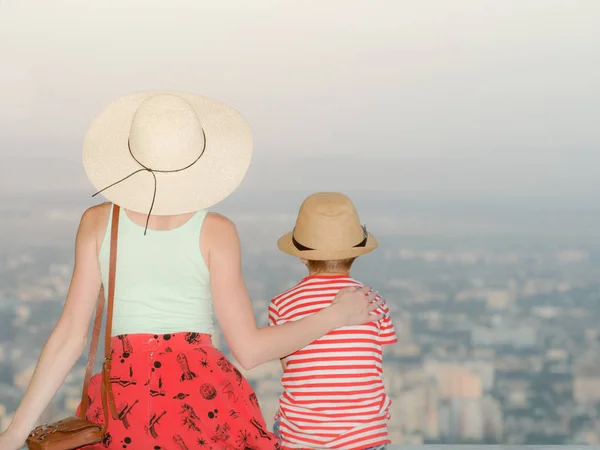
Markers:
<point>333,392</point>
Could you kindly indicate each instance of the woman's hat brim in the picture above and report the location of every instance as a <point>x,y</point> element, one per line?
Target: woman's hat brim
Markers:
<point>214,177</point>
<point>286,245</point>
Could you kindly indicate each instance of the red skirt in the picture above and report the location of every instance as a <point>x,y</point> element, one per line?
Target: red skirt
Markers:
<point>178,392</point>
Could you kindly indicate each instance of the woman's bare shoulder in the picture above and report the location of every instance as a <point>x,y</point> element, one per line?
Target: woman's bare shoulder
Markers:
<point>94,221</point>
<point>218,236</point>
<point>218,232</point>
<point>96,214</point>
<point>219,224</point>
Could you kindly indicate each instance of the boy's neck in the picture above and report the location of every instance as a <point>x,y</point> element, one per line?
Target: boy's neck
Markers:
<point>328,274</point>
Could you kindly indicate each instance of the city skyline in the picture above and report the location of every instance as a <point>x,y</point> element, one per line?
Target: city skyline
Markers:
<point>498,338</point>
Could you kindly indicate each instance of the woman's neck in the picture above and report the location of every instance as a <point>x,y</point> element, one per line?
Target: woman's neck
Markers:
<point>159,223</point>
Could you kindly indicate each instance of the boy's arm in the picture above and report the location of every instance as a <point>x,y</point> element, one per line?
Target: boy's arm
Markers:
<point>283,364</point>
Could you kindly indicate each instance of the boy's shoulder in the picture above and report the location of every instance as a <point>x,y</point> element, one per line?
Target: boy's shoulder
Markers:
<point>312,285</point>
<point>287,291</point>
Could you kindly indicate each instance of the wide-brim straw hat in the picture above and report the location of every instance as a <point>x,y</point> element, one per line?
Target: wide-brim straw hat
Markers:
<point>168,152</point>
<point>327,228</point>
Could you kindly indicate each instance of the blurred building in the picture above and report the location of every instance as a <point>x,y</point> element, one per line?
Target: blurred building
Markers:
<point>506,335</point>
<point>586,383</point>
<point>455,380</point>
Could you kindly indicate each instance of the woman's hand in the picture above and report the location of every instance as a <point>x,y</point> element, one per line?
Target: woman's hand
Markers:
<point>355,306</point>
<point>10,441</point>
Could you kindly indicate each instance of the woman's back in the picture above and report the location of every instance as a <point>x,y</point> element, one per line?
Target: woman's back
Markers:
<point>170,384</point>
<point>163,284</point>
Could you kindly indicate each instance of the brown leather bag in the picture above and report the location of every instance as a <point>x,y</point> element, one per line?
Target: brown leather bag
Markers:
<point>76,431</point>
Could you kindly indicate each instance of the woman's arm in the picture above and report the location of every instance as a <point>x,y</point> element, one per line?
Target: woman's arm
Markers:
<point>68,339</point>
<point>251,345</point>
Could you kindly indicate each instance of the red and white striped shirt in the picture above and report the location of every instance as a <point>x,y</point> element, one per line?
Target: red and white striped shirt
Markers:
<point>333,392</point>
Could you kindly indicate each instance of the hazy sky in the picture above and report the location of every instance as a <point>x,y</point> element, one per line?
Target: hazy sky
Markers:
<point>450,94</point>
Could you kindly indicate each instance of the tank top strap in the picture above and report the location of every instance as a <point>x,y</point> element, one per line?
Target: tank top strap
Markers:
<point>108,229</point>
<point>198,219</point>
<point>191,229</point>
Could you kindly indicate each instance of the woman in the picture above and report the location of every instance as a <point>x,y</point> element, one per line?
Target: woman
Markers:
<point>165,158</point>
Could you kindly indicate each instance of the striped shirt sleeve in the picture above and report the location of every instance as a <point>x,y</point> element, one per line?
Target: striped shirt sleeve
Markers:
<point>273,314</point>
<point>387,333</point>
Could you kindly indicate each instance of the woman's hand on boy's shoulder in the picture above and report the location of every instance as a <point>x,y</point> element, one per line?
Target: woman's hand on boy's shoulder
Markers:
<point>356,306</point>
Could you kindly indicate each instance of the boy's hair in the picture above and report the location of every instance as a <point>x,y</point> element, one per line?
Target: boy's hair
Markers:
<point>332,266</point>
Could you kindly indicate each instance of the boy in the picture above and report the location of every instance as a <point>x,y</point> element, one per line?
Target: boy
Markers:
<point>333,392</point>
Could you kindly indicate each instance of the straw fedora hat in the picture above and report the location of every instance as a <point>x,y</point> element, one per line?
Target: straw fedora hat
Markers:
<point>166,153</point>
<point>327,228</point>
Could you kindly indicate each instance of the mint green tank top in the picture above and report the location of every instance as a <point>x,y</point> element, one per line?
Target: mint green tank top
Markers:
<point>162,283</point>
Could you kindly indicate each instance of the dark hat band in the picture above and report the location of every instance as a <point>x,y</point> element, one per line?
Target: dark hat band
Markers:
<point>362,243</point>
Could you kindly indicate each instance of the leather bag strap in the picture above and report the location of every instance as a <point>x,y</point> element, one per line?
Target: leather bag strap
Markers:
<point>109,316</point>
<point>106,389</point>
